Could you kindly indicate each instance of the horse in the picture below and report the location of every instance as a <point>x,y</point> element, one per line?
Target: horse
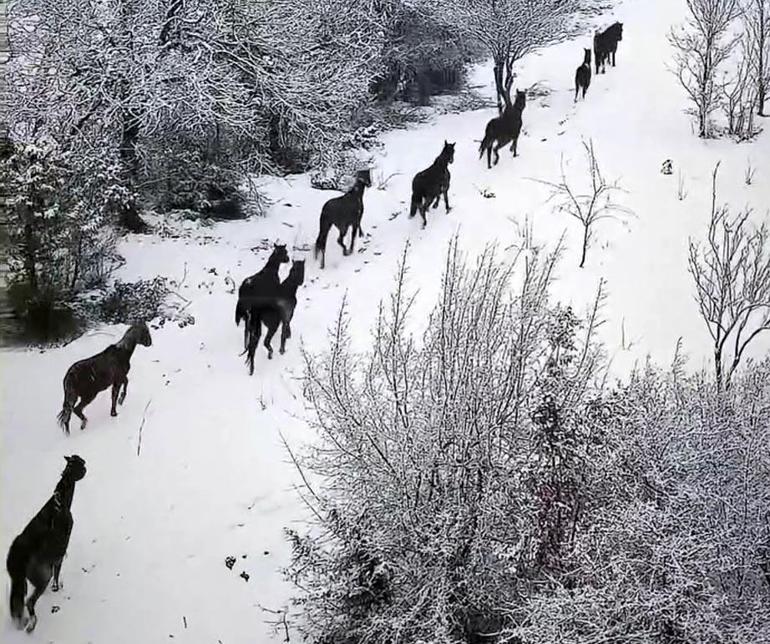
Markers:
<point>37,553</point>
<point>267,278</point>
<point>430,184</point>
<point>272,311</point>
<point>504,129</point>
<point>583,74</point>
<point>343,212</point>
<point>606,45</point>
<point>86,378</point>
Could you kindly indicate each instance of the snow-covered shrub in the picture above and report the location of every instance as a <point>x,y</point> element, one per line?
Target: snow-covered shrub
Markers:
<point>448,471</point>
<point>672,542</point>
<point>60,205</point>
<point>482,484</point>
<point>127,302</point>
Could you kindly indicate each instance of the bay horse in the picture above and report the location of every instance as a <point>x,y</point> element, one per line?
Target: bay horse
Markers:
<point>504,129</point>
<point>343,212</point>
<point>86,378</point>
<point>583,74</point>
<point>37,553</point>
<point>428,185</point>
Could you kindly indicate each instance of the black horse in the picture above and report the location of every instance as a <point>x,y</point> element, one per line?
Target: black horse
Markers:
<point>265,280</point>
<point>272,311</point>
<point>504,129</point>
<point>37,553</point>
<point>583,74</point>
<point>86,378</point>
<point>606,46</point>
<point>343,212</point>
<point>430,184</point>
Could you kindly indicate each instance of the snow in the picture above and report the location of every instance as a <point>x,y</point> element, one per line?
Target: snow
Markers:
<point>212,480</point>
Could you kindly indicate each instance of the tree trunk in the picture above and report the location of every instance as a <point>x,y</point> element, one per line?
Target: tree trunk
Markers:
<point>499,87</point>
<point>585,246</point>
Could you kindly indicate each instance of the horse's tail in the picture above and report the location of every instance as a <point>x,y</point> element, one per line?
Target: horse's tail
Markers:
<point>16,570</point>
<point>415,204</point>
<point>239,312</point>
<point>323,233</point>
<point>70,396</point>
<point>485,143</point>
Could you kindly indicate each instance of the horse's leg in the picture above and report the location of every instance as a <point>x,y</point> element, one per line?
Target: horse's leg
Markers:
<point>353,234</point>
<point>85,399</point>
<point>115,390</point>
<point>285,333</point>
<point>497,154</point>
<point>446,198</point>
<point>515,145</point>
<point>254,335</point>
<point>39,575</point>
<point>341,239</point>
<point>123,393</point>
<point>271,329</point>
<point>489,157</point>
<point>424,212</point>
<point>56,585</point>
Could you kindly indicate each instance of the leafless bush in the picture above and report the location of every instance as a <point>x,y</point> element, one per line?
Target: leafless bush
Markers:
<point>739,98</point>
<point>594,204</point>
<point>756,28</point>
<point>732,283</point>
<point>702,46</point>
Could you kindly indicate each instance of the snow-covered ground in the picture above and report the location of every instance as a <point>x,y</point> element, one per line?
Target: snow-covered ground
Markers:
<point>146,561</point>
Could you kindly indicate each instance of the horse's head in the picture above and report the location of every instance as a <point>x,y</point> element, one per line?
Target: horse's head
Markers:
<point>141,332</point>
<point>364,177</point>
<point>619,30</point>
<point>521,99</point>
<point>298,270</point>
<point>587,56</point>
<point>448,152</point>
<point>280,253</point>
<point>75,468</point>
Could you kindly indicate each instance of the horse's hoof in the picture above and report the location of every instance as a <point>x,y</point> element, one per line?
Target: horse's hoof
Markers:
<point>55,587</point>
<point>31,623</point>
<point>282,351</point>
<point>113,413</point>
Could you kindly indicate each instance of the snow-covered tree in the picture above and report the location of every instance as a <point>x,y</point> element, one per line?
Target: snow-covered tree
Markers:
<point>508,30</point>
<point>756,26</point>
<point>701,46</point>
<point>732,281</point>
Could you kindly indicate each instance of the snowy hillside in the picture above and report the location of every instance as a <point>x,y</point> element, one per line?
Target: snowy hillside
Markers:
<point>153,528</point>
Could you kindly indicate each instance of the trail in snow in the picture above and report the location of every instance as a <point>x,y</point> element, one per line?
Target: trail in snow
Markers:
<point>146,561</point>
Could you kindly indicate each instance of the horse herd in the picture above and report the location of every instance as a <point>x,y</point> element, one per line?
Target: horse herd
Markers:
<point>263,299</point>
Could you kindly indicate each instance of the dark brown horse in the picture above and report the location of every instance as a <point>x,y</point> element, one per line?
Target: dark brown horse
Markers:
<point>37,553</point>
<point>343,212</point>
<point>606,46</point>
<point>272,311</point>
<point>265,279</point>
<point>430,184</point>
<point>86,378</point>
<point>583,74</point>
<point>504,129</point>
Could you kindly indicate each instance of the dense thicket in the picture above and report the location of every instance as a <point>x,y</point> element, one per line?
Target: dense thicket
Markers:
<point>482,483</point>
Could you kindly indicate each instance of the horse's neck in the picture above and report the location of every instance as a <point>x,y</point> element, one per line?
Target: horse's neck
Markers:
<point>127,343</point>
<point>441,161</point>
<point>358,190</point>
<point>291,285</point>
<point>272,266</point>
<point>62,495</point>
